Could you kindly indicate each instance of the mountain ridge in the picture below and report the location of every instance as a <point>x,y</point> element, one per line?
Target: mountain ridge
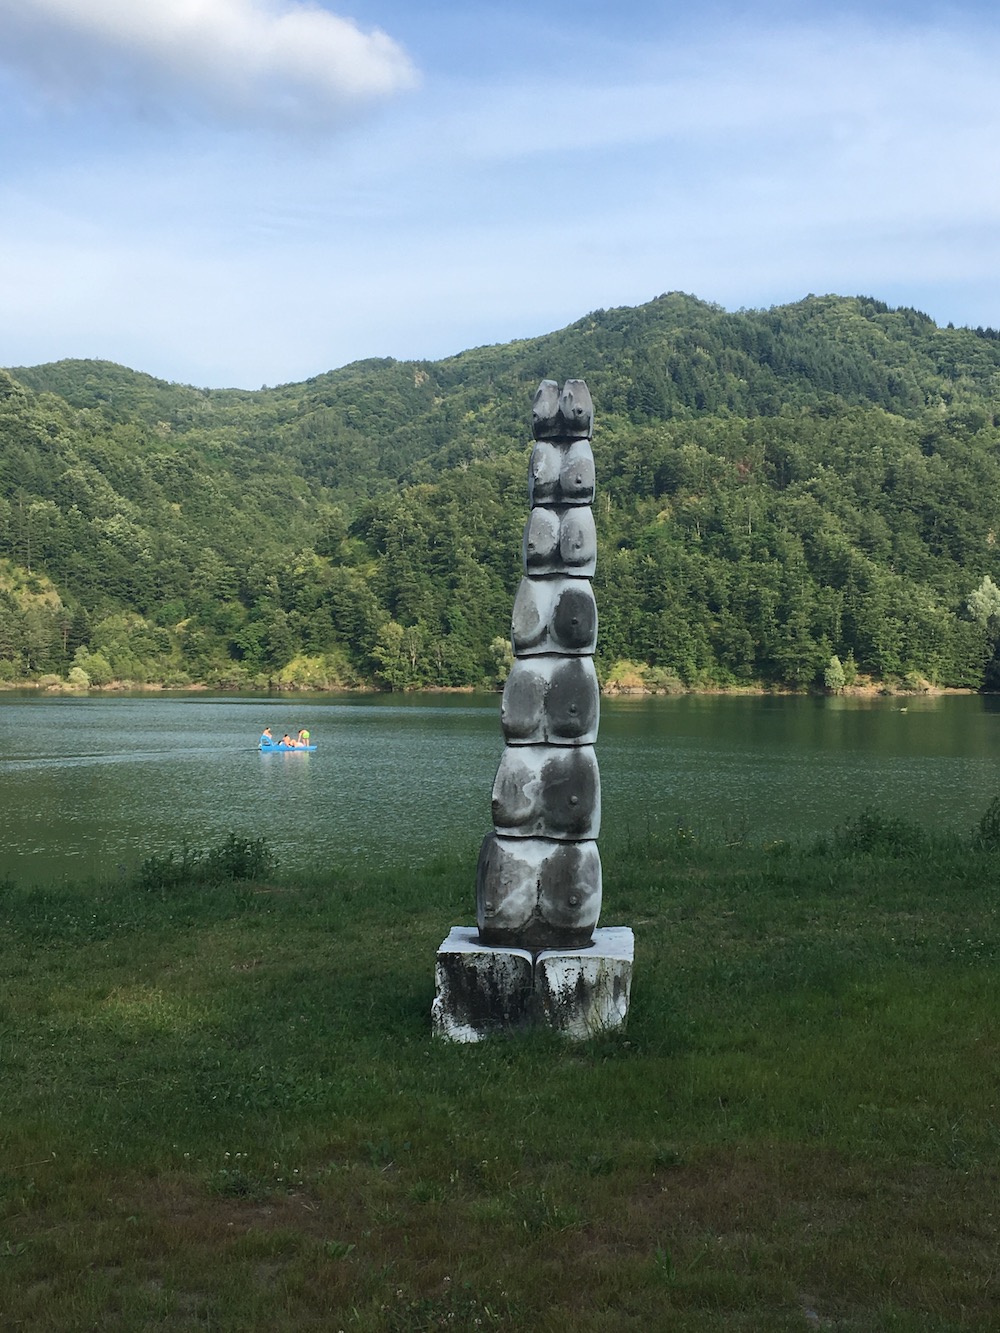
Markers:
<point>365,523</point>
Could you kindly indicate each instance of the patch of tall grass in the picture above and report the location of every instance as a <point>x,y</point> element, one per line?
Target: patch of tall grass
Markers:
<point>237,858</point>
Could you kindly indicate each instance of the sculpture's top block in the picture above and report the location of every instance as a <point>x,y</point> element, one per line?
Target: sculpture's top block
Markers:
<point>566,415</point>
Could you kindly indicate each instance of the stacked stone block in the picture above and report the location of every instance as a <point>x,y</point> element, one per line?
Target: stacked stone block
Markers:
<point>538,884</point>
<point>537,957</point>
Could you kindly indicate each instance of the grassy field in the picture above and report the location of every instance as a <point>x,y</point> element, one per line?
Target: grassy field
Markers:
<point>221,1106</point>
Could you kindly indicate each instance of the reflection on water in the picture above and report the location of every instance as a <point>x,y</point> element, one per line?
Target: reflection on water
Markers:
<point>93,784</point>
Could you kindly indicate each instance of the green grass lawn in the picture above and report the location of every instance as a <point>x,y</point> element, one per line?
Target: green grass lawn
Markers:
<point>222,1108</point>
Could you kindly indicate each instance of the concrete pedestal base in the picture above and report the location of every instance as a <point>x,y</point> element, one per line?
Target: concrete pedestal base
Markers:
<point>483,989</point>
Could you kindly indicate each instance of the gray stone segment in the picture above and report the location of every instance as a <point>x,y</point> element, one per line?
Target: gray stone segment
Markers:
<point>548,791</point>
<point>560,541</point>
<point>531,887</point>
<point>554,615</point>
<point>561,474</point>
<point>551,700</point>
<point>562,414</point>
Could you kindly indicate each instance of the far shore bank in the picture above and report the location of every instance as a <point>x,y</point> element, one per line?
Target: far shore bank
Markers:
<point>869,690</point>
<point>612,689</point>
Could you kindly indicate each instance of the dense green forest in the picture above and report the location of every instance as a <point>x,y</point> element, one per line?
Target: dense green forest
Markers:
<point>800,496</point>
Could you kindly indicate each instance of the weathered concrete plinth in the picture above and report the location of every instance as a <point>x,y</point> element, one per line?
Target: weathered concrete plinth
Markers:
<point>483,989</point>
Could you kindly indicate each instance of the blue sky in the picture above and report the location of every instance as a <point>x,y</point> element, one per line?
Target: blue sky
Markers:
<point>240,192</point>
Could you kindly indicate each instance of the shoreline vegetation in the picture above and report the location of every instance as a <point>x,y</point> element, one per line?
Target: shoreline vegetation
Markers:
<point>796,498</point>
<point>625,679</point>
<point>224,1107</point>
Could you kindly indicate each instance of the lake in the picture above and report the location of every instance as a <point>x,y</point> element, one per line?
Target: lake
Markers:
<point>91,785</point>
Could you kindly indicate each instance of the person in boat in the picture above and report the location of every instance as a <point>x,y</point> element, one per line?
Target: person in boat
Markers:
<point>266,738</point>
<point>303,737</point>
<point>287,740</point>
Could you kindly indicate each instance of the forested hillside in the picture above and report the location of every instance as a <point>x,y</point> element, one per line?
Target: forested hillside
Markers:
<point>788,497</point>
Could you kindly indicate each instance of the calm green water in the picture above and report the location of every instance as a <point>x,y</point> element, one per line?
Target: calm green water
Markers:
<point>94,784</point>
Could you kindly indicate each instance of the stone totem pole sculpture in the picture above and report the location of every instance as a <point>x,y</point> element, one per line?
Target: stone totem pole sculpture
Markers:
<point>537,956</point>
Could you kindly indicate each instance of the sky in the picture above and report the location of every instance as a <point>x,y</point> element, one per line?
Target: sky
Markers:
<point>232,193</point>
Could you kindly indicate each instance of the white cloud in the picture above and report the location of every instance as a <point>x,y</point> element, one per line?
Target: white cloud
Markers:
<point>748,166</point>
<point>276,62</point>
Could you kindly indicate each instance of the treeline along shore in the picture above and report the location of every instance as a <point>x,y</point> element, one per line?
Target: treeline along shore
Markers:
<point>794,498</point>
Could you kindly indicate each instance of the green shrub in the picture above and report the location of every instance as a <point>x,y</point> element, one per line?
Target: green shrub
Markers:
<point>986,834</point>
<point>873,831</point>
<point>834,677</point>
<point>235,859</point>
<point>157,873</point>
<point>98,668</point>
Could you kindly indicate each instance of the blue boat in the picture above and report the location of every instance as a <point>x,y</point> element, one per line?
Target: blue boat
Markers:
<point>284,749</point>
